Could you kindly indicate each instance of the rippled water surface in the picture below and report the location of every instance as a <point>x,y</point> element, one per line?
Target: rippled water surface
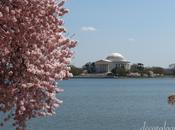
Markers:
<point>110,104</point>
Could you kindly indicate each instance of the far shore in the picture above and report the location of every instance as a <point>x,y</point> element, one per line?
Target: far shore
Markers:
<point>117,77</point>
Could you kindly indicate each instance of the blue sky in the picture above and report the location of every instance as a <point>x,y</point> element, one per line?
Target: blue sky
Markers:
<point>141,30</point>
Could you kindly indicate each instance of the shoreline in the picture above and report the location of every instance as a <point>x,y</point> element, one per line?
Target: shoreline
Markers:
<point>119,77</point>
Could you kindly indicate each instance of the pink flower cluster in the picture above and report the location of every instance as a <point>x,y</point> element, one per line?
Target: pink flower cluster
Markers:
<point>34,54</point>
<point>171,99</point>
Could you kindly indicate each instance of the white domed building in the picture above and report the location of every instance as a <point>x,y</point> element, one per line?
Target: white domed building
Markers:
<point>115,60</point>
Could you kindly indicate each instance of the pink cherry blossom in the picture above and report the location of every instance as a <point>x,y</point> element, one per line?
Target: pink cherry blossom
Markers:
<point>34,54</point>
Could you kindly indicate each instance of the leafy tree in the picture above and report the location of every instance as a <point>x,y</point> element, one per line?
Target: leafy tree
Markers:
<point>172,69</point>
<point>90,67</point>
<point>134,68</point>
<point>75,70</point>
<point>158,70</point>
<point>119,71</point>
<point>34,53</point>
<point>137,68</point>
<point>147,70</point>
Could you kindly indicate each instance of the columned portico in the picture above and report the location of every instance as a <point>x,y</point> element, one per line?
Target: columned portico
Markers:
<point>102,66</point>
<point>114,60</point>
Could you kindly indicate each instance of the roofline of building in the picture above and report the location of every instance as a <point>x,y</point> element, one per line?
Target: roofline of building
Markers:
<point>109,61</point>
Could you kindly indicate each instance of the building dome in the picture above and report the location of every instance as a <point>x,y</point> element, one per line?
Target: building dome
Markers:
<point>116,57</point>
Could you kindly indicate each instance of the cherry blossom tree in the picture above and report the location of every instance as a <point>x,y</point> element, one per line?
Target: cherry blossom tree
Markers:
<point>34,54</point>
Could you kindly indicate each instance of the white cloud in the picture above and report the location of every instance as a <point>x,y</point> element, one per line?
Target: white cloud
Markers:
<point>88,29</point>
<point>131,39</point>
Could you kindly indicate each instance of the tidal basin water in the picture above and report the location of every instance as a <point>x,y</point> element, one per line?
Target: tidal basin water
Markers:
<point>111,104</point>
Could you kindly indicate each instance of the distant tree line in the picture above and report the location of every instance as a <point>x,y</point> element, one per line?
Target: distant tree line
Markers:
<point>138,68</point>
